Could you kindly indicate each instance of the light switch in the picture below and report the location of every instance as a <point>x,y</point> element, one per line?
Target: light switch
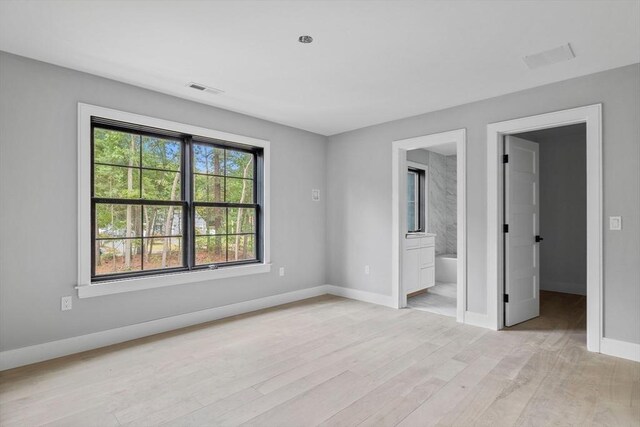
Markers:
<point>615,223</point>
<point>315,195</point>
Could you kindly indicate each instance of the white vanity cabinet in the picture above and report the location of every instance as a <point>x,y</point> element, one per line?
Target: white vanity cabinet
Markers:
<point>418,270</point>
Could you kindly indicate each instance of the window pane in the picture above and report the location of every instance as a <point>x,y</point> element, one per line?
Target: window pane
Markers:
<point>208,159</point>
<point>411,187</point>
<point>208,188</point>
<point>162,253</point>
<point>242,247</point>
<point>118,220</point>
<point>239,190</point>
<point>162,221</point>
<point>242,220</point>
<point>116,148</point>
<point>160,185</point>
<point>116,182</point>
<point>211,249</point>
<point>211,220</point>
<point>118,256</point>
<point>161,153</point>
<point>411,216</point>
<point>239,164</point>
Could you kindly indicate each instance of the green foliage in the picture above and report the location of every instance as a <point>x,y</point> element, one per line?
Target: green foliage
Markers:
<point>120,165</point>
<point>137,168</point>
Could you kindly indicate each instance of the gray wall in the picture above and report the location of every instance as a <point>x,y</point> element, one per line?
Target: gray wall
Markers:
<point>437,201</point>
<point>359,205</point>
<point>563,208</point>
<point>419,156</point>
<point>38,195</point>
<point>451,184</point>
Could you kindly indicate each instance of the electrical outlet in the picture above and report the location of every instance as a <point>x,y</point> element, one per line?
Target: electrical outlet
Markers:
<point>65,303</point>
<point>282,271</point>
<point>615,223</point>
<point>315,195</point>
<point>366,269</point>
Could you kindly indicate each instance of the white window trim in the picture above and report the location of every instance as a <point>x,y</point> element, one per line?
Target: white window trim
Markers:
<point>85,287</point>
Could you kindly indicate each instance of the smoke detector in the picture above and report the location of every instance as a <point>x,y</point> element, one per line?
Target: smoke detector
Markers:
<point>203,88</point>
<point>548,57</point>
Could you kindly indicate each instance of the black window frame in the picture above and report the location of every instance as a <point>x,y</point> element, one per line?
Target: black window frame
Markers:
<point>420,202</point>
<point>187,198</point>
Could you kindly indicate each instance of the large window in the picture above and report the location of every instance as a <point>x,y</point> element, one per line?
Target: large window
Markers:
<point>163,201</point>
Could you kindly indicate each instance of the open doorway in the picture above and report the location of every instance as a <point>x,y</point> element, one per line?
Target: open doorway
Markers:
<point>421,227</point>
<point>591,117</point>
<point>545,235</point>
<point>431,242</point>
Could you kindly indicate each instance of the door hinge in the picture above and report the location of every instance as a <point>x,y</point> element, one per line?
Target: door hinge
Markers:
<point>505,228</point>
<point>506,297</point>
<point>505,158</point>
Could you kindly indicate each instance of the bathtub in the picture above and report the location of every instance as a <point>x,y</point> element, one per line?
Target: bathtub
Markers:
<point>447,268</point>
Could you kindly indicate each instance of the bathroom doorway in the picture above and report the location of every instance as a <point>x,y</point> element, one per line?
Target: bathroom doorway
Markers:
<point>432,229</point>
<point>429,223</point>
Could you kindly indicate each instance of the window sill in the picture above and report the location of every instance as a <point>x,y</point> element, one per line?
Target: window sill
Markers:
<point>150,282</point>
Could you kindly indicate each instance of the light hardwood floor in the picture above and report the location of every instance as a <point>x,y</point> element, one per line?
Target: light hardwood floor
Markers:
<point>336,362</point>
<point>438,299</point>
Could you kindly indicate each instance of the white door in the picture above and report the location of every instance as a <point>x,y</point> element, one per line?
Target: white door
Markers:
<point>521,213</point>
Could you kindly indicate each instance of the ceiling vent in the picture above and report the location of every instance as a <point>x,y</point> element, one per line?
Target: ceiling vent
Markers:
<point>203,88</point>
<point>548,57</point>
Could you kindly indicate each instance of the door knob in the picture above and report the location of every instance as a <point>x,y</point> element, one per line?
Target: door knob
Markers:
<point>539,239</point>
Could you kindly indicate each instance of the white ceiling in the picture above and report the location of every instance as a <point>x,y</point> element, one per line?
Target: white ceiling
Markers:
<point>371,62</point>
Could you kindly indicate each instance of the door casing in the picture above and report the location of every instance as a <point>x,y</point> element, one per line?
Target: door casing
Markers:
<point>399,150</point>
<point>591,115</point>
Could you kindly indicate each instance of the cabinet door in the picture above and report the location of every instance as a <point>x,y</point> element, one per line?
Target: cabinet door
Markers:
<point>427,256</point>
<point>427,277</point>
<point>410,271</point>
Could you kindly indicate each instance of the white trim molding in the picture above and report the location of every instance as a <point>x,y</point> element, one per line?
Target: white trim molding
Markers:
<point>359,295</point>
<point>37,353</point>
<point>85,287</point>
<point>478,319</point>
<point>623,349</point>
<point>398,207</point>
<point>592,116</point>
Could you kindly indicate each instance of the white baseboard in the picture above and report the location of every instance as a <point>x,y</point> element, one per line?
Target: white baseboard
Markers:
<point>51,350</point>
<point>564,287</point>
<point>623,349</point>
<point>359,295</point>
<point>478,319</point>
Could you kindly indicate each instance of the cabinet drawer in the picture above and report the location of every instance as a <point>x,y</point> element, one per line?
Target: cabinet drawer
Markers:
<point>427,256</point>
<point>428,241</point>
<point>412,243</point>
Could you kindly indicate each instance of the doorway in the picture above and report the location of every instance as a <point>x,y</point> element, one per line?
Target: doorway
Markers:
<point>590,116</point>
<point>545,193</point>
<point>411,236</point>
<point>431,241</point>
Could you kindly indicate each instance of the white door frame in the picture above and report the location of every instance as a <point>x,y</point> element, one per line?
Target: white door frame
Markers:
<point>592,116</point>
<point>399,218</point>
